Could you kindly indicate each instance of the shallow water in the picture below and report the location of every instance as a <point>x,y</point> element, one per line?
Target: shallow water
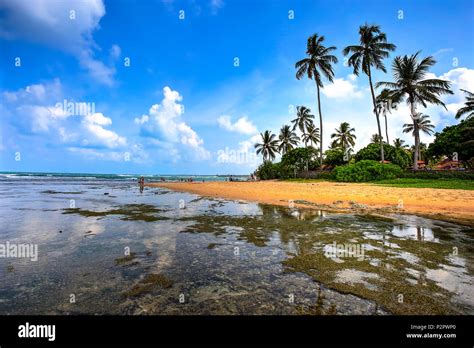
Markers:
<point>122,251</point>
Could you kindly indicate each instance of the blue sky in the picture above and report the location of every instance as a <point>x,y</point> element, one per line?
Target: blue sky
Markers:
<point>182,105</point>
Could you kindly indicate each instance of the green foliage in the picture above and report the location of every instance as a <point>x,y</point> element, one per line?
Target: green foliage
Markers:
<point>316,175</point>
<point>458,138</point>
<point>392,154</point>
<point>366,170</point>
<point>451,184</point>
<point>445,174</point>
<point>334,157</point>
<point>268,170</point>
<point>299,157</point>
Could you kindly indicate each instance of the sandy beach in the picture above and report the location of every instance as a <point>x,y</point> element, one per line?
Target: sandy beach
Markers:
<point>451,205</point>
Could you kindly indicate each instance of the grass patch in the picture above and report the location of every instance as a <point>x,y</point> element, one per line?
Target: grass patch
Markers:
<point>126,259</point>
<point>441,183</point>
<point>148,284</point>
<point>52,192</point>
<point>453,184</point>
<point>142,212</point>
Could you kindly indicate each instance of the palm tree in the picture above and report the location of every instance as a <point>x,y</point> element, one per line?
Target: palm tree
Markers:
<point>385,103</point>
<point>371,51</point>
<point>268,147</point>
<point>288,139</point>
<point>423,123</point>
<point>469,106</point>
<point>375,138</point>
<point>408,73</point>
<point>421,151</point>
<point>315,66</point>
<point>344,138</point>
<point>400,144</point>
<point>311,135</point>
<point>303,118</point>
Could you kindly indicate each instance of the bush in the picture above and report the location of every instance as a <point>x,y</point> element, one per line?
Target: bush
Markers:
<point>334,157</point>
<point>268,170</point>
<point>455,139</point>
<point>299,157</point>
<point>391,153</point>
<point>366,170</point>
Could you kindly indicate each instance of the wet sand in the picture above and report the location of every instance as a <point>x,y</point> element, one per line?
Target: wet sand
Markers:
<point>451,205</point>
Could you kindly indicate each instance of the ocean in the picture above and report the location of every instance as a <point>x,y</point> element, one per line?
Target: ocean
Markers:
<point>131,177</point>
<point>97,244</point>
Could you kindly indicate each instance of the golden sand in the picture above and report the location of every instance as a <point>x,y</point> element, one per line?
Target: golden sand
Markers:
<point>453,205</point>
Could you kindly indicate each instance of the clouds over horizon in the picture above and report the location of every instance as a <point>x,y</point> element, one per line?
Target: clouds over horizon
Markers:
<point>67,26</point>
<point>243,125</point>
<point>164,125</point>
<point>40,110</point>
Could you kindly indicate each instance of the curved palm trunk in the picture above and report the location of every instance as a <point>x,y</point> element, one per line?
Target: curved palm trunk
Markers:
<point>386,128</point>
<point>321,129</point>
<point>376,116</point>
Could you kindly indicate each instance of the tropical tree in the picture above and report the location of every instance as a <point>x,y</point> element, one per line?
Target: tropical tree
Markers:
<point>312,135</point>
<point>400,144</point>
<point>409,73</point>
<point>336,157</point>
<point>317,65</point>
<point>456,141</point>
<point>385,103</point>
<point>268,147</point>
<point>396,156</point>
<point>344,138</point>
<point>375,139</point>
<point>421,123</point>
<point>288,139</point>
<point>303,118</point>
<point>422,152</point>
<point>372,49</point>
<point>468,108</point>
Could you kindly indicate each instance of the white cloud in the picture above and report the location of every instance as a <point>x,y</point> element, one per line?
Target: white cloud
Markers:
<point>64,25</point>
<point>94,124</point>
<point>164,120</point>
<point>242,125</point>
<point>343,88</point>
<point>42,118</point>
<point>98,70</point>
<point>460,78</point>
<point>39,108</point>
<point>442,51</point>
<point>216,5</point>
<point>243,155</point>
<point>134,153</point>
<point>35,93</point>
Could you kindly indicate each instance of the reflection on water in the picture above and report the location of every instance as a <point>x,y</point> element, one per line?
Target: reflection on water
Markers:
<point>121,251</point>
